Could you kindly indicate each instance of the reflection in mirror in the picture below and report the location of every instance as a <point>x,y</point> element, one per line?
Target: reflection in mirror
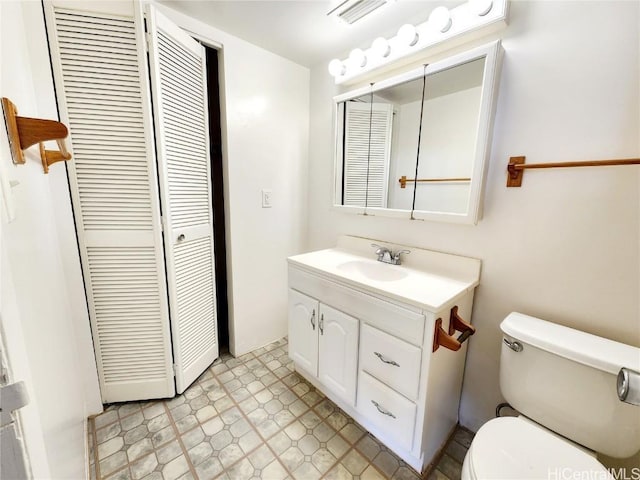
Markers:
<point>406,100</point>
<point>380,138</point>
<point>364,148</point>
<point>387,153</point>
<point>448,139</point>
<point>376,133</point>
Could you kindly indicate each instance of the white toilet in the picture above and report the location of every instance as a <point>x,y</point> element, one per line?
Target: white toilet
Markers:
<point>563,383</point>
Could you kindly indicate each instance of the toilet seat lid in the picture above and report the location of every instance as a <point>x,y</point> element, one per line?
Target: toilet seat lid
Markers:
<point>515,448</point>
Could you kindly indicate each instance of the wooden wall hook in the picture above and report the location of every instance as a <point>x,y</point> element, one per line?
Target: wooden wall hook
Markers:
<point>456,324</point>
<point>441,337</point>
<point>50,157</point>
<point>24,132</point>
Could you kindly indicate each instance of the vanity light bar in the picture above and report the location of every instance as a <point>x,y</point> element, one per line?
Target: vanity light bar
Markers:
<point>465,22</point>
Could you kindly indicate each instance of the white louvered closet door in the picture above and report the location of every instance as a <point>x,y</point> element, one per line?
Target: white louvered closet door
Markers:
<point>102,90</point>
<point>179,91</point>
<point>358,189</point>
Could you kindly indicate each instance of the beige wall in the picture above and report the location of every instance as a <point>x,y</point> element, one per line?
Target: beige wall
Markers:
<point>565,246</point>
<point>43,314</point>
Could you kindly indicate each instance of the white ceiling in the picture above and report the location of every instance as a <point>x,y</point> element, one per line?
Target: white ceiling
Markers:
<point>300,29</point>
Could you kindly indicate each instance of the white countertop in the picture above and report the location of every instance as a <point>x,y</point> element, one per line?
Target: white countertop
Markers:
<point>427,282</point>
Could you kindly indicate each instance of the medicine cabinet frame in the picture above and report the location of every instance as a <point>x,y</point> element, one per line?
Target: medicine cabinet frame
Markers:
<point>492,53</point>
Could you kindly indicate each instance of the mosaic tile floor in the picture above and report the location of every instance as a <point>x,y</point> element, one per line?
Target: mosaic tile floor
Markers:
<point>250,417</point>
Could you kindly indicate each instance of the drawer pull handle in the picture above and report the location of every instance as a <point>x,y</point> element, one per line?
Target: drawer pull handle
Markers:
<point>384,360</point>
<point>313,316</point>
<point>382,410</point>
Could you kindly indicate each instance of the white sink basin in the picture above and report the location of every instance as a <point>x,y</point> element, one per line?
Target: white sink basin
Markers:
<point>372,270</point>
<point>427,280</point>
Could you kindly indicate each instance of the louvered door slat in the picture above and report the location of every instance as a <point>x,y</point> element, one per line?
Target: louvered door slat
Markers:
<point>77,64</point>
<point>97,66</point>
<point>366,153</point>
<point>182,139</point>
<point>180,124</point>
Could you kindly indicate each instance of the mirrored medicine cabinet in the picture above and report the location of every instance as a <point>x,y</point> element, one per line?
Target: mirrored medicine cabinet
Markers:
<point>416,145</point>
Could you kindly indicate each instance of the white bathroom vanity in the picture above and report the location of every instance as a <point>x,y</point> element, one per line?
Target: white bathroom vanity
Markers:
<point>376,338</point>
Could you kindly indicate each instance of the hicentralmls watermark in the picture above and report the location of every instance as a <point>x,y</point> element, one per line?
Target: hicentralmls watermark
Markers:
<point>612,473</point>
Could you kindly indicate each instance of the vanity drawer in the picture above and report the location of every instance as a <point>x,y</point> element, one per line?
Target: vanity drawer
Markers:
<point>389,411</point>
<point>390,360</point>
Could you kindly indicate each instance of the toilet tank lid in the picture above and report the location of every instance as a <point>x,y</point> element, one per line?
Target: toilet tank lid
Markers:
<point>581,347</point>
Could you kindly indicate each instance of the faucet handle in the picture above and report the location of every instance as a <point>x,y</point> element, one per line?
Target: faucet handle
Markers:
<point>379,249</point>
<point>396,256</point>
<point>383,253</point>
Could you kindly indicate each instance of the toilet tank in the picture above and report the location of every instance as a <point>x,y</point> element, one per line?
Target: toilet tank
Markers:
<point>565,380</point>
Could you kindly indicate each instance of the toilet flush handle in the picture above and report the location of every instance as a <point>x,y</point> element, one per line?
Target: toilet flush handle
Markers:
<point>628,386</point>
<point>515,346</point>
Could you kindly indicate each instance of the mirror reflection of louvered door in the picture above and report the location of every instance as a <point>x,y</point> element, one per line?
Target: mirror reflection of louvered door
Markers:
<point>179,92</point>
<point>101,81</point>
<point>367,151</point>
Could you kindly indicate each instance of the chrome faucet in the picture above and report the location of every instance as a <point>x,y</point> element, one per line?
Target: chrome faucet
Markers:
<point>387,256</point>
<point>384,254</point>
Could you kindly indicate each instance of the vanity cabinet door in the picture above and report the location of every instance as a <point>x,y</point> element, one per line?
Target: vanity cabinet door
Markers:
<point>303,331</point>
<point>338,362</point>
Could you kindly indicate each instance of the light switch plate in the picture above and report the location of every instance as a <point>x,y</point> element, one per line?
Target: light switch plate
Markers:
<point>266,198</point>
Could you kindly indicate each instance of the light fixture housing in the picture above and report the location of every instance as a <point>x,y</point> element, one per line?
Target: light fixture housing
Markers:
<point>408,35</point>
<point>446,28</point>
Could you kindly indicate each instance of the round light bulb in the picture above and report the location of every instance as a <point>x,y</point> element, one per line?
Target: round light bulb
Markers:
<point>337,68</point>
<point>440,19</point>
<point>481,7</point>
<point>381,47</point>
<point>408,35</point>
<point>358,58</point>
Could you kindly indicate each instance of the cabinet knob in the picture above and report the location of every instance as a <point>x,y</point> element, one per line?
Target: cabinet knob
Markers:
<point>181,237</point>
